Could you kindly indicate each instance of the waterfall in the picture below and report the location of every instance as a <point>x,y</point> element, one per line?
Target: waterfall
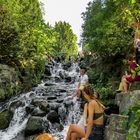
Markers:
<point>56,83</point>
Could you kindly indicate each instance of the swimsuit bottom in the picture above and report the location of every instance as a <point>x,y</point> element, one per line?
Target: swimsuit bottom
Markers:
<point>96,133</point>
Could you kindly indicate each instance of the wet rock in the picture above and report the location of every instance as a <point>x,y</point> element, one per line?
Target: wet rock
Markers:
<point>32,93</point>
<point>66,66</point>
<point>48,90</point>
<point>34,126</point>
<point>77,70</point>
<point>15,105</point>
<point>62,90</point>
<point>72,80</point>
<point>62,112</point>
<point>29,109</point>
<point>40,91</point>
<point>54,106</point>
<point>68,79</point>
<point>68,103</point>
<point>51,98</point>
<point>62,75</point>
<point>57,79</point>
<point>57,94</point>
<point>53,117</point>
<point>57,127</point>
<point>49,84</point>
<point>47,71</point>
<point>38,112</point>
<point>37,102</point>
<point>59,100</point>
<point>5,119</point>
<point>44,107</point>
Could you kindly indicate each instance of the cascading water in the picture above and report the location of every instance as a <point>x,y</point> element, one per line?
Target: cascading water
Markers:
<point>58,86</point>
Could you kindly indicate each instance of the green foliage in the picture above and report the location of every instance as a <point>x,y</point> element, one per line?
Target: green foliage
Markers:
<point>104,31</point>
<point>93,77</point>
<point>106,94</point>
<point>105,91</point>
<point>132,13</point>
<point>22,37</point>
<point>107,34</point>
<point>27,42</point>
<point>134,123</point>
<point>66,40</point>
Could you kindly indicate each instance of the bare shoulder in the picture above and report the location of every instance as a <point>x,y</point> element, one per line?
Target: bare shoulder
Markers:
<point>93,102</point>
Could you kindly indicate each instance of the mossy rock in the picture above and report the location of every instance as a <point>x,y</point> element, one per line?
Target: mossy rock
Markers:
<point>2,95</point>
<point>5,118</point>
<point>34,126</point>
<point>44,107</point>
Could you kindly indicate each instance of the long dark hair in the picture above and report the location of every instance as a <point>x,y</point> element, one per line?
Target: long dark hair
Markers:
<point>89,90</point>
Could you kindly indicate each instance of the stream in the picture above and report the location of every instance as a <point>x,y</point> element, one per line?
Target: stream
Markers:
<point>54,89</point>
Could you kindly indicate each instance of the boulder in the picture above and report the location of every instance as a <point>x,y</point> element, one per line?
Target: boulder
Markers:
<point>5,119</point>
<point>53,117</point>
<point>68,79</point>
<point>116,128</point>
<point>34,126</point>
<point>54,106</point>
<point>127,100</point>
<point>29,109</point>
<point>44,107</point>
<point>38,112</point>
<point>15,105</point>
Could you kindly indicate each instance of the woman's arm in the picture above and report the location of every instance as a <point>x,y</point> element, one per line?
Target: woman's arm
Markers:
<point>85,115</point>
<point>90,119</point>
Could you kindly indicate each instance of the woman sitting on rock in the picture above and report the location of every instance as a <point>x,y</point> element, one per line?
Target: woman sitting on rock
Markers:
<point>94,128</point>
<point>127,79</point>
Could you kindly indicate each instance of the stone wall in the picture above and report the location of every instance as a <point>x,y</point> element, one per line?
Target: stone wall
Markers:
<point>128,100</point>
<point>116,129</point>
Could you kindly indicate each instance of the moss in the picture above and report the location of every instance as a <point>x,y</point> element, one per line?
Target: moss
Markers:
<point>2,95</point>
<point>5,118</point>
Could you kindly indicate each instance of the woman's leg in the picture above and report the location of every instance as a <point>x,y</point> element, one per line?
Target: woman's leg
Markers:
<point>120,87</point>
<point>125,85</point>
<point>74,128</point>
<point>74,136</point>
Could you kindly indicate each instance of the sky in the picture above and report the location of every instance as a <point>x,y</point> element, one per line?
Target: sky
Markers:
<point>65,10</point>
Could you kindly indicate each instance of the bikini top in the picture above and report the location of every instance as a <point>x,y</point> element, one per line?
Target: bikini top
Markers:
<point>97,115</point>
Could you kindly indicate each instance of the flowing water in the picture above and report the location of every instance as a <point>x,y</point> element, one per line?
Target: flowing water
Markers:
<point>57,83</point>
